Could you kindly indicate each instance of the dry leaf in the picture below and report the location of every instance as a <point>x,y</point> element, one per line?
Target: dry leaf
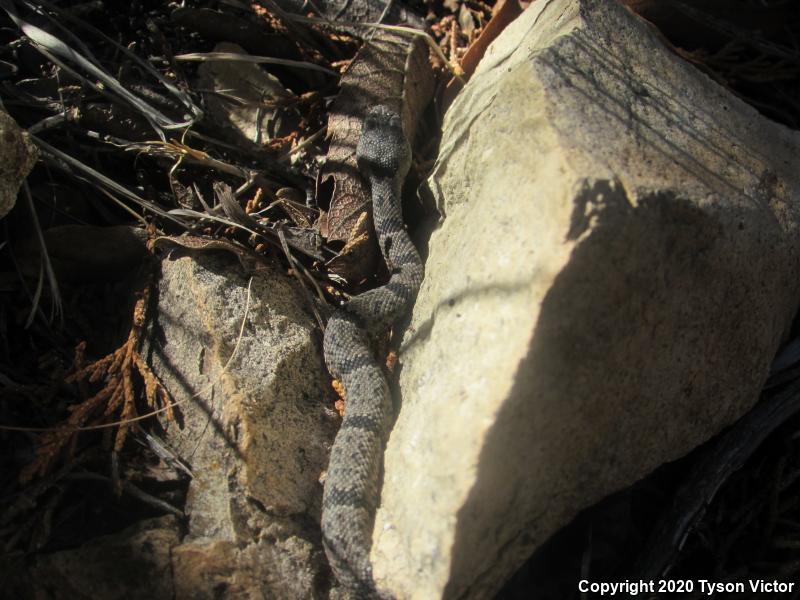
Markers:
<point>377,75</point>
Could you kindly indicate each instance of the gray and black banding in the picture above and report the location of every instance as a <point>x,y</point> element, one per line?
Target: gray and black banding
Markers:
<point>351,493</point>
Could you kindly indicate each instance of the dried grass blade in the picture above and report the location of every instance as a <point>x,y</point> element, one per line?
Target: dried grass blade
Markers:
<point>184,98</point>
<point>396,28</point>
<point>104,181</point>
<point>46,267</point>
<point>234,57</point>
<point>43,39</point>
<point>193,214</point>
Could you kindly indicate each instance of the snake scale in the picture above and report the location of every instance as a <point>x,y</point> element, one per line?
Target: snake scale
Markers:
<point>351,493</point>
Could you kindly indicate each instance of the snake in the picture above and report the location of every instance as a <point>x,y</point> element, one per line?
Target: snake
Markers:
<point>351,491</point>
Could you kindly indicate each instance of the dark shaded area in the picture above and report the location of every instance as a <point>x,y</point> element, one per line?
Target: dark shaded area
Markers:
<point>98,256</point>
<point>748,532</point>
<point>749,46</point>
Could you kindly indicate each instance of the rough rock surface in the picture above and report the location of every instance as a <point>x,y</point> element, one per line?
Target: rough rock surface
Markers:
<point>256,435</point>
<point>134,563</point>
<point>617,266</point>
<point>17,155</point>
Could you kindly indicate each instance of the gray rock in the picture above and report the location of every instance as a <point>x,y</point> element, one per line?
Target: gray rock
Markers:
<point>255,429</point>
<point>17,156</point>
<point>617,267</point>
<point>288,567</point>
<point>134,563</point>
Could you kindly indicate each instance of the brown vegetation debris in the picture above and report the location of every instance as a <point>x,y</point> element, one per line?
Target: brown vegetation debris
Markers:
<point>339,404</point>
<point>116,397</point>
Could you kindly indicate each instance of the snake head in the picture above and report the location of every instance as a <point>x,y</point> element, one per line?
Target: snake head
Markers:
<point>383,150</point>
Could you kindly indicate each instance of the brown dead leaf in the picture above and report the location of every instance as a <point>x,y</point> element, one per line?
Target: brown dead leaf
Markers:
<point>505,11</point>
<point>291,202</point>
<point>243,99</point>
<point>359,11</point>
<point>393,70</point>
<point>356,252</point>
<point>249,260</point>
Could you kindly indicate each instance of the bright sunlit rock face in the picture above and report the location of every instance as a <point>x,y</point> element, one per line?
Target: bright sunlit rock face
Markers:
<point>617,266</point>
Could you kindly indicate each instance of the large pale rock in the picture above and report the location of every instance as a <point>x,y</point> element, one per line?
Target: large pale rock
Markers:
<point>617,266</point>
<point>255,429</point>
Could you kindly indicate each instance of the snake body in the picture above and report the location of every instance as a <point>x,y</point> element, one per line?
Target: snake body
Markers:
<point>351,493</point>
